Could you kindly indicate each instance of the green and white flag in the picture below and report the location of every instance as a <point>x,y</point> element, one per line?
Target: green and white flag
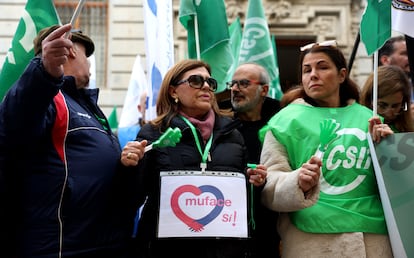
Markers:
<point>257,46</point>
<point>208,36</point>
<point>376,24</point>
<point>276,80</point>
<point>113,119</point>
<point>402,17</point>
<point>36,16</point>
<point>235,30</point>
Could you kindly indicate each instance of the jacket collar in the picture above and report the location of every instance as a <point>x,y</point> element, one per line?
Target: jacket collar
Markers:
<point>69,87</point>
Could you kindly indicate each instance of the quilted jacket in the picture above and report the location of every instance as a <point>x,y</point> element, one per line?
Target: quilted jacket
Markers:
<point>227,153</point>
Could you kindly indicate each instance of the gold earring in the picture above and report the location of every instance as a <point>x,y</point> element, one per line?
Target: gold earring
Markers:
<point>176,100</point>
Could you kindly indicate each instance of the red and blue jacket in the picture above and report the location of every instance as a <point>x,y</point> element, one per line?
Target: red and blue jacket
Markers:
<point>60,163</point>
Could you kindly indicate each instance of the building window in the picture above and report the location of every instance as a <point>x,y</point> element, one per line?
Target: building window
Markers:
<point>93,21</point>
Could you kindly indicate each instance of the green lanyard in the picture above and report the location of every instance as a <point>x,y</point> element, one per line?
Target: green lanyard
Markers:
<point>204,155</point>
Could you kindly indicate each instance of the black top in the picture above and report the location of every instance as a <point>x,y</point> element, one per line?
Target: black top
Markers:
<point>265,239</point>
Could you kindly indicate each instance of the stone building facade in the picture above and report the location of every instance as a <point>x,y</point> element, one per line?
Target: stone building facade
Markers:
<point>293,22</point>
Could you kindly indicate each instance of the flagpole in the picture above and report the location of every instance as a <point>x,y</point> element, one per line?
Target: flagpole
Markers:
<point>354,50</point>
<point>409,42</point>
<point>75,15</point>
<point>375,85</point>
<point>197,40</point>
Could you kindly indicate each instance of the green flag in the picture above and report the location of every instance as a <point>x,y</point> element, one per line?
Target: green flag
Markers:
<point>376,24</point>
<point>235,30</point>
<point>236,34</point>
<point>276,92</point>
<point>209,41</point>
<point>257,47</point>
<point>36,16</point>
<point>113,119</point>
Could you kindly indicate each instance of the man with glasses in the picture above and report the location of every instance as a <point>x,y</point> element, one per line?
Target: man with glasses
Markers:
<point>249,89</point>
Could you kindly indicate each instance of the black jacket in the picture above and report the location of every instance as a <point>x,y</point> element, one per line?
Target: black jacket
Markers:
<point>250,130</point>
<point>264,233</point>
<point>227,154</point>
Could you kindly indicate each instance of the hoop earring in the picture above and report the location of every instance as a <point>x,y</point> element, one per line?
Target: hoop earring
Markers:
<point>405,107</point>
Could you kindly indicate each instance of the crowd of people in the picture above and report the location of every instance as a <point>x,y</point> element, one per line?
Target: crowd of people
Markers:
<point>77,193</point>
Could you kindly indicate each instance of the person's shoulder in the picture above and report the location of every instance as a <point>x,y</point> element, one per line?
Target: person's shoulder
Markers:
<point>222,121</point>
<point>270,107</point>
<point>297,104</point>
<point>268,101</point>
<point>148,132</point>
<point>226,125</point>
<point>361,108</point>
<point>289,112</point>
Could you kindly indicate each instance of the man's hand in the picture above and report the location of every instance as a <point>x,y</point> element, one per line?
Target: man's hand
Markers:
<point>55,51</point>
<point>133,152</point>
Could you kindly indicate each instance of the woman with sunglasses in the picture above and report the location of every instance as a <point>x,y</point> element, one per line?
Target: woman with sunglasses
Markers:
<point>394,97</point>
<point>208,143</point>
<point>322,181</point>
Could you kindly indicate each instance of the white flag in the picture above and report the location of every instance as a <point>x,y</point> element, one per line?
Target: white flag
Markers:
<point>402,16</point>
<point>137,86</point>
<point>159,46</point>
<point>92,71</point>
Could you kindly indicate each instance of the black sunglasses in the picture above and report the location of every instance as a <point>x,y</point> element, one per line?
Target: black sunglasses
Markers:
<point>244,83</point>
<point>197,82</point>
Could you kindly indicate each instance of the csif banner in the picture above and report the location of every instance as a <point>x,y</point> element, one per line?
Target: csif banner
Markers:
<point>393,161</point>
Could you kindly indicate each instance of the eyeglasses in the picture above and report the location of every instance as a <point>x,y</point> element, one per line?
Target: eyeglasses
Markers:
<point>396,108</point>
<point>197,82</point>
<point>328,43</point>
<point>242,84</point>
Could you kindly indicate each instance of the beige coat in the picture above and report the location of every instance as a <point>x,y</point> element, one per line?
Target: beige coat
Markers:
<point>282,193</point>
